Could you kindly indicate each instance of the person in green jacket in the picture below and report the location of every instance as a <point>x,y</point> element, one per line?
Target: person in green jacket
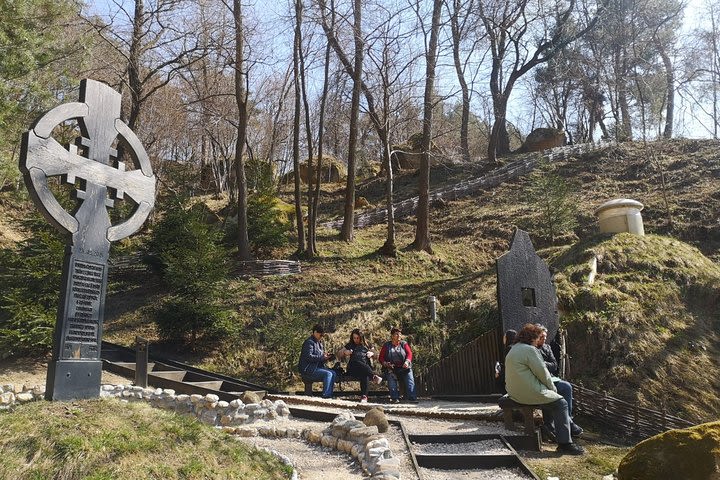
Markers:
<point>528,381</point>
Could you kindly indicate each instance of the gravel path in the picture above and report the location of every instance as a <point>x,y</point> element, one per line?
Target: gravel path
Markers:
<point>495,474</point>
<point>486,447</point>
<point>312,462</point>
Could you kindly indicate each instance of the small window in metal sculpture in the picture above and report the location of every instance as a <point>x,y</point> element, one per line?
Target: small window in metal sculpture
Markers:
<point>528,297</point>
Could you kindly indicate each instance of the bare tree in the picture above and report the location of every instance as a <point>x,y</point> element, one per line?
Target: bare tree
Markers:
<point>422,215</point>
<point>241,98</point>
<point>347,232</point>
<point>161,42</point>
<point>511,28</point>
<point>297,47</point>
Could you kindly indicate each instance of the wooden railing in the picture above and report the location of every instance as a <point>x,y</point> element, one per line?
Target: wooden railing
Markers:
<point>625,417</point>
<point>470,370</point>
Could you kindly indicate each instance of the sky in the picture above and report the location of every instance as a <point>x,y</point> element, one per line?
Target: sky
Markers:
<point>271,10</point>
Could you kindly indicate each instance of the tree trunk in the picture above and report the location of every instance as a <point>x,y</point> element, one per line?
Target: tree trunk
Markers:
<point>133,68</point>
<point>389,248</point>
<point>465,120</point>
<point>347,232</point>
<point>422,228</point>
<point>670,85</point>
<point>241,99</point>
<point>296,130</point>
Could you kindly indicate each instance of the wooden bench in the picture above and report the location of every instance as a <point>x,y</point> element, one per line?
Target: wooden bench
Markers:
<point>308,384</point>
<point>509,405</point>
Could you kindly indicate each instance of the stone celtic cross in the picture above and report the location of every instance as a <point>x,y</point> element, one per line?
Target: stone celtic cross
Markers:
<point>93,167</point>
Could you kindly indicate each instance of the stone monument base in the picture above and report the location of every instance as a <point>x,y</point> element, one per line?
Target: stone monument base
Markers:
<point>73,379</point>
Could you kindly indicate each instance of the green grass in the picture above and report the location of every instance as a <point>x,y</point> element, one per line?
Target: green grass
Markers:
<point>108,439</point>
<point>599,461</point>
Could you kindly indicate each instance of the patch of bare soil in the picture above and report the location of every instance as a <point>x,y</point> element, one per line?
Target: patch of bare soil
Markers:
<point>33,372</point>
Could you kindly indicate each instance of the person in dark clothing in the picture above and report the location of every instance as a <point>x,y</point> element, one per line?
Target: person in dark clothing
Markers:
<point>508,340</point>
<point>359,363</point>
<point>563,388</point>
<point>312,362</point>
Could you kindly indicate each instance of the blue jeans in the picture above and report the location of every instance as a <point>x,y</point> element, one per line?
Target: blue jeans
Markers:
<point>394,376</point>
<point>565,389</point>
<point>326,376</point>
<point>558,412</point>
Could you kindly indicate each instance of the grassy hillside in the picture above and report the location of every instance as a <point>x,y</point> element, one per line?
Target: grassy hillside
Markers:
<point>350,286</point>
<point>107,439</point>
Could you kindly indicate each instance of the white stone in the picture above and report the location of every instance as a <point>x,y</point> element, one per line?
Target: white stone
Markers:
<point>107,388</point>
<point>195,398</point>
<point>136,388</point>
<point>260,412</point>
<point>266,403</point>
<point>246,432</point>
<point>169,391</point>
<point>182,397</point>
<point>251,407</point>
<point>7,398</point>
<point>382,442</point>
<point>24,397</point>
<point>8,387</point>
<point>223,404</point>
<point>237,403</point>
<point>212,398</point>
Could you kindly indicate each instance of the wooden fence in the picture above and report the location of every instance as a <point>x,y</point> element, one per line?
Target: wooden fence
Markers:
<point>261,268</point>
<point>470,370</point>
<point>624,417</point>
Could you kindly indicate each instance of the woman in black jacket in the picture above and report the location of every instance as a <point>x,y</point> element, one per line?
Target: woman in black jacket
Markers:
<point>359,364</point>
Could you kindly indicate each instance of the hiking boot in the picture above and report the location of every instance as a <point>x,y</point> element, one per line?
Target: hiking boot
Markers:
<point>377,379</point>
<point>547,434</point>
<point>575,430</point>
<point>363,399</point>
<point>570,449</point>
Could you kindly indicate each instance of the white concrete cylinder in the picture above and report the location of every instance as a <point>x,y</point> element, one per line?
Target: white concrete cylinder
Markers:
<point>621,215</point>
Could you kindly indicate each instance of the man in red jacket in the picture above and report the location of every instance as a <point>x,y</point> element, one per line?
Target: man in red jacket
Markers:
<point>396,359</point>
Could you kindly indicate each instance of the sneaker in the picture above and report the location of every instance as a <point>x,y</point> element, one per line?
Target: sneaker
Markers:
<point>394,400</point>
<point>570,449</point>
<point>575,430</point>
<point>363,399</point>
<point>377,379</point>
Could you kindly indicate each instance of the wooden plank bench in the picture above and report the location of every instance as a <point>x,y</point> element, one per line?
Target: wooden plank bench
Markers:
<point>509,405</point>
<point>339,380</point>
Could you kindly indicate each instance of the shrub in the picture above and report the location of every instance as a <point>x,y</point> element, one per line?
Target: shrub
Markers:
<point>268,224</point>
<point>192,262</point>
<point>30,285</point>
<point>553,200</point>
<point>178,319</point>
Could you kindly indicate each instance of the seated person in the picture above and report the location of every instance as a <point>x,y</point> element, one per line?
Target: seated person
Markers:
<point>528,382</point>
<point>508,340</point>
<point>359,364</point>
<point>396,358</point>
<point>563,388</point>
<point>312,362</point>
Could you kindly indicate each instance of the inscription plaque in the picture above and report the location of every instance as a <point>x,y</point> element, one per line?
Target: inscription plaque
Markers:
<point>92,167</point>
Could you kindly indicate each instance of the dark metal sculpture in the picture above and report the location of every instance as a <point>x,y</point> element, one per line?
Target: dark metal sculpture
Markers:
<point>525,290</point>
<point>92,166</point>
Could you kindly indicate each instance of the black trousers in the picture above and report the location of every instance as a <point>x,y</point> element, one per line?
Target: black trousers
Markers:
<point>363,373</point>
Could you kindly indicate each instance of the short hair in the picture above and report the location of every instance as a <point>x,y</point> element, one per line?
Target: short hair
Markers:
<point>395,329</point>
<point>542,327</point>
<point>510,336</point>
<point>528,334</point>
<point>318,328</point>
